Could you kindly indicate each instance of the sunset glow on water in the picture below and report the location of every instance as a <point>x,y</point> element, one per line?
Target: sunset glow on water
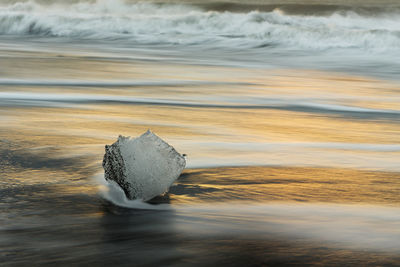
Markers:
<point>289,114</point>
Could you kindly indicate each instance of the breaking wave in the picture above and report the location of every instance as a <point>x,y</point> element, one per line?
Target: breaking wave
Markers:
<point>172,24</point>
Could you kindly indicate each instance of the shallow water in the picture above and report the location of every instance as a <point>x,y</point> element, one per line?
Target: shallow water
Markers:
<point>289,116</point>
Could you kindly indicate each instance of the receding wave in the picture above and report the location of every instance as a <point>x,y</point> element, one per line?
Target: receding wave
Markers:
<point>146,23</point>
<point>52,99</point>
<point>317,221</point>
<point>136,83</point>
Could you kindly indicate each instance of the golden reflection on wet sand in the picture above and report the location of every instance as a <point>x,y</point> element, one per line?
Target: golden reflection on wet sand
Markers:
<point>280,184</point>
<point>221,116</point>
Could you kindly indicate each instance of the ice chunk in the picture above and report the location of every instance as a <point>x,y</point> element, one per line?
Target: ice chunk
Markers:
<point>143,167</point>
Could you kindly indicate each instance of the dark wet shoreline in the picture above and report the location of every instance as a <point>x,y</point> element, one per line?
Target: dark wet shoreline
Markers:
<point>46,226</point>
